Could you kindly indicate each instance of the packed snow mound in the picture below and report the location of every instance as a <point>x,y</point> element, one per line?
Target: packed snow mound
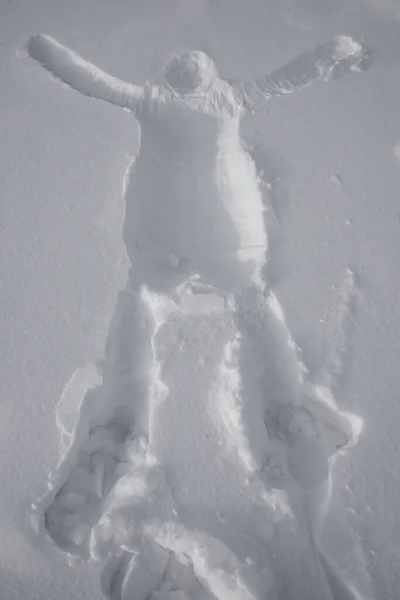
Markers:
<point>346,46</point>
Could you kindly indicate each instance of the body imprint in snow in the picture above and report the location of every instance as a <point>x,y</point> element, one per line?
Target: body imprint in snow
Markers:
<point>194,222</point>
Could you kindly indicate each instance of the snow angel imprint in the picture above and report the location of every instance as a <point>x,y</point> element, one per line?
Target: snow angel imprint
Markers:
<point>194,221</point>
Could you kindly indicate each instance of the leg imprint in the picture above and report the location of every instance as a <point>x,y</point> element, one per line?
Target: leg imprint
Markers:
<point>298,415</point>
<point>113,422</point>
<point>261,370</point>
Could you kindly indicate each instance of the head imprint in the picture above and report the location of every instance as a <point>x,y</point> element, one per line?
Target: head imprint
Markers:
<point>191,72</point>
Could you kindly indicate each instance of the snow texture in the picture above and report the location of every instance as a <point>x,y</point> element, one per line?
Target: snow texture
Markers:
<point>209,430</point>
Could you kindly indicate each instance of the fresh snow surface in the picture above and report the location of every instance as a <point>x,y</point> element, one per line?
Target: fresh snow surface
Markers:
<point>199,295</point>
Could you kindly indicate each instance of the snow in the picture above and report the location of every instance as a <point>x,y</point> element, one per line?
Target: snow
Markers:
<point>229,430</point>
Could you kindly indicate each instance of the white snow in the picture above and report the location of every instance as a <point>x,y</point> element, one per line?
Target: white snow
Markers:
<point>199,300</point>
